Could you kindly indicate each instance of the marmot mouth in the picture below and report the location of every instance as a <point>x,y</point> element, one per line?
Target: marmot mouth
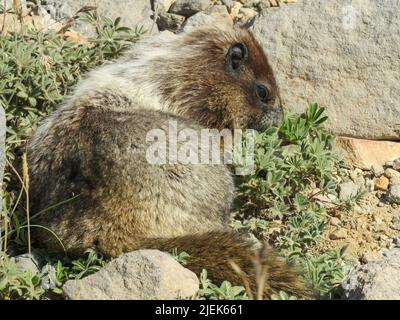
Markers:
<point>271,118</point>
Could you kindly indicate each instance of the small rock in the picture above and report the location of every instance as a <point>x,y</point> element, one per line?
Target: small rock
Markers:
<point>264,5</point>
<point>381,204</point>
<point>377,170</point>
<point>229,4</point>
<point>245,15</point>
<point>167,33</point>
<point>335,221</point>
<point>162,5</point>
<point>197,20</point>
<point>389,164</point>
<point>338,234</point>
<point>252,3</point>
<point>371,256</point>
<point>142,274</point>
<point>188,8</point>
<point>396,223</point>
<point>349,190</point>
<point>395,181</point>
<point>356,175</point>
<point>378,220</point>
<point>169,21</point>
<point>49,279</point>
<point>391,173</point>
<point>396,164</point>
<point>235,9</point>
<point>220,13</point>
<point>31,262</point>
<point>393,195</point>
<point>377,280</point>
<point>382,183</point>
<point>247,12</point>
<point>390,244</point>
<point>370,185</point>
<point>396,242</point>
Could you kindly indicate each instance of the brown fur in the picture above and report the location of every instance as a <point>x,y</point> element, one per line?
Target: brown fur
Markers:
<point>93,149</point>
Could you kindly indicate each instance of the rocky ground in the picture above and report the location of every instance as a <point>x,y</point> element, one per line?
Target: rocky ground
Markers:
<point>171,15</point>
<point>372,226</point>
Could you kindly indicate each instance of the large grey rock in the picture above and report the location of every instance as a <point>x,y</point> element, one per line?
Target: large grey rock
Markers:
<point>143,274</point>
<point>378,280</point>
<point>133,12</point>
<point>342,54</point>
<point>169,21</point>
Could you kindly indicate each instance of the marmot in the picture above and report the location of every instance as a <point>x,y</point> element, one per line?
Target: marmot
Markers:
<point>88,167</point>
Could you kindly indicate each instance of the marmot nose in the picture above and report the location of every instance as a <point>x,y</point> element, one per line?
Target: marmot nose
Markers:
<point>273,117</point>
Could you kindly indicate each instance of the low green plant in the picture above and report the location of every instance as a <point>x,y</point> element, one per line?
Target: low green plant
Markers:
<point>293,165</point>
<point>326,271</point>
<point>282,295</point>
<point>16,283</point>
<point>37,70</point>
<point>180,257</point>
<point>68,269</point>
<point>354,198</point>
<point>40,67</point>
<point>226,291</point>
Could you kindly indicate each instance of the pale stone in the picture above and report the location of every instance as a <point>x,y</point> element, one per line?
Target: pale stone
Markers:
<point>377,280</point>
<point>142,274</point>
<point>366,153</point>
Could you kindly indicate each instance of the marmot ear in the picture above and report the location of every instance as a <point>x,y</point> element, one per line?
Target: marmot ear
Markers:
<point>237,55</point>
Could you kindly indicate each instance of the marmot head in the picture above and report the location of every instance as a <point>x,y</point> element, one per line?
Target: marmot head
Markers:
<point>222,79</point>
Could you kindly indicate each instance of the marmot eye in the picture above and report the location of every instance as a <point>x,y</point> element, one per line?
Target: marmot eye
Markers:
<point>237,54</point>
<point>262,92</point>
